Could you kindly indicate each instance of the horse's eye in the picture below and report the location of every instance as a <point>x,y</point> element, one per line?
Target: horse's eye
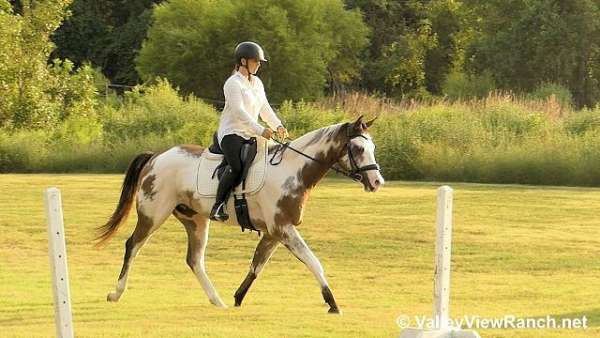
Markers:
<point>360,150</point>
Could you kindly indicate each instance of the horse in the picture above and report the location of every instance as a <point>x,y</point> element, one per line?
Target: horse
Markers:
<point>163,183</point>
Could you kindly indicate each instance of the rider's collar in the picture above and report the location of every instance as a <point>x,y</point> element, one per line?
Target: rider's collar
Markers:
<point>245,78</point>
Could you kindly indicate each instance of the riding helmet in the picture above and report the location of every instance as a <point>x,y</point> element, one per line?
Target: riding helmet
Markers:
<point>249,50</point>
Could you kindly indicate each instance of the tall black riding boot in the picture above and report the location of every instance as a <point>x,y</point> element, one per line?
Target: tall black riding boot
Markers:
<point>227,182</point>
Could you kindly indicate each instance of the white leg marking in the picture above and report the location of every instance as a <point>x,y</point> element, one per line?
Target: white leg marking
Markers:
<point>294,242</point>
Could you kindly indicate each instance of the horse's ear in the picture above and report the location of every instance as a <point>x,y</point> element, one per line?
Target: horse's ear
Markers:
<point>358,125</point>
<point>369,123</point>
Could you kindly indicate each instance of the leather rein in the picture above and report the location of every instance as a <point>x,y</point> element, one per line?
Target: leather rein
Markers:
<point>355,172</point>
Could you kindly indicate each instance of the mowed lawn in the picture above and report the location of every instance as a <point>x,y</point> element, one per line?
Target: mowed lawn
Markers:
<point>518,250</point>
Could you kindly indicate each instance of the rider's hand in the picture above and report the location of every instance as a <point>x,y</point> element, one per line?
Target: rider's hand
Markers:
<point>267,133</point>
<point>283,133</point>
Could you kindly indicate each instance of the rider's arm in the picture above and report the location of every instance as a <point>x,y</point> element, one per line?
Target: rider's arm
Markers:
<point>266,112</point>
<point>233,97</point>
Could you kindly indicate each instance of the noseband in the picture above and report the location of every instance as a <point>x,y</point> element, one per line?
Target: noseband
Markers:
<point>355,172</point>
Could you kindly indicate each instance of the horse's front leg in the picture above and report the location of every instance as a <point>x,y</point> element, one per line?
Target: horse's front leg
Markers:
<point>264,250</point>
<point>293,241</point>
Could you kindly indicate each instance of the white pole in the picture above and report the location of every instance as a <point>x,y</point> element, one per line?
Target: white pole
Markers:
<point>443,249</point>
<point>441,288</point>
<point>58,263</point>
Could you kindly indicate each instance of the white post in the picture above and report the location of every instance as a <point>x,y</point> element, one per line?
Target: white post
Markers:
<point>58,263</point>
<point>443,250</point>
<point>441,288</point>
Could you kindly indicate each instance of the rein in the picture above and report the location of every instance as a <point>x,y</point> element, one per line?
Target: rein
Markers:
<point>354,174</point>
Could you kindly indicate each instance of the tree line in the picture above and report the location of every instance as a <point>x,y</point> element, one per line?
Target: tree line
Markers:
<point>398,49</point>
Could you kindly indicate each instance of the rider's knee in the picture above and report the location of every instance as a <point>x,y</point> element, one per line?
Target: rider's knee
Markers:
<point>235,171</point>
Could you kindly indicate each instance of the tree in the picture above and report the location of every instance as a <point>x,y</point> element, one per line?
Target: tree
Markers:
<point>525,43</point>
<point>36,94</point>
<point>413,45</point>
<point>106,33</point>
<point>447,26</point>
<point>309,43</point>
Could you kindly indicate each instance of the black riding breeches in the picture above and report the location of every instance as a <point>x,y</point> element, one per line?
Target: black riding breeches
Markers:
<point>231,145</point>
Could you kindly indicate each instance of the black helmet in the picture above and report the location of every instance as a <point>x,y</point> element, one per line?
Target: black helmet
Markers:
<point>249,50</point>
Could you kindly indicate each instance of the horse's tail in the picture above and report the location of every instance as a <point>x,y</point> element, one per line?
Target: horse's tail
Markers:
<point>106,231</point>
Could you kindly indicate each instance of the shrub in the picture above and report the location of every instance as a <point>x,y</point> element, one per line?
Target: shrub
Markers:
<point>459,85</point>
<point>550,90</point>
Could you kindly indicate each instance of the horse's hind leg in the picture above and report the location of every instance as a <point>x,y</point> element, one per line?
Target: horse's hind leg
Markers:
<point>146,225</point>
<point>197,231</point>
<point>264,250</point>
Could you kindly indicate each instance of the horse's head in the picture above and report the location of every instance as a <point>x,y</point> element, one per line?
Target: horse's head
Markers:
<point>359,155</point>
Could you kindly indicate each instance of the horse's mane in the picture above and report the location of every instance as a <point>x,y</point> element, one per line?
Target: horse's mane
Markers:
<point>312,137</point>
<point>316,136</point>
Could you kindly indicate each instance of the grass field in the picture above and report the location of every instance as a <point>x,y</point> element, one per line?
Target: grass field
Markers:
<point>520,250</point>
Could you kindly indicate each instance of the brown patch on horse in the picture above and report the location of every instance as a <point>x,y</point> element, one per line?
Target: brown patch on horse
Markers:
<point>186,197</point>
<point>150,165</point>
<point>185,207</point>
<point>258,223</point>
<point>359,155</point>
<point>140,233</point>
<point>192,150</point>
<point>184,210</point>
<point>291,205</point>
<point>319,134</point>
<point>148,187</point>
<point>190,228</point>
<point>190,196</point>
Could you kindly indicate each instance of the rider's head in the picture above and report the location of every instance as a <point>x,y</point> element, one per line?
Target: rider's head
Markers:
<point>249,55</point>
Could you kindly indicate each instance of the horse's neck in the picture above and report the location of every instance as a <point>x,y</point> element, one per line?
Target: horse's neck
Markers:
<point>322,144</point>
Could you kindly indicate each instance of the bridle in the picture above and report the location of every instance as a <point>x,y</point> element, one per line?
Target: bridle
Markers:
<point>355,172</point>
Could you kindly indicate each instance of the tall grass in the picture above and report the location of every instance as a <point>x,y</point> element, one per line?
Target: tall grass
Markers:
<point>499,138</point>
<point>155,120</point>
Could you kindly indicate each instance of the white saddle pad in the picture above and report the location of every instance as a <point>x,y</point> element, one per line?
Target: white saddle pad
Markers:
<point>207,185</point>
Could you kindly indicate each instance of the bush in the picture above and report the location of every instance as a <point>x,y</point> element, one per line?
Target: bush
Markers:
<point>301,118</point>
<point>160,111</point>
<point>496,140</point>
<point>553,91</point>
<point>151,118</point>
<point>459,85</point>
<point>583,121</point>
<point>22,151</point>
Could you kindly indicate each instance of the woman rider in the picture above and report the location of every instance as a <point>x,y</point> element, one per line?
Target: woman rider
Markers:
<point>245,100</point>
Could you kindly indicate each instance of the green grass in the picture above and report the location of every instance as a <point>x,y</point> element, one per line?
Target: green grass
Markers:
<point>526,251</point>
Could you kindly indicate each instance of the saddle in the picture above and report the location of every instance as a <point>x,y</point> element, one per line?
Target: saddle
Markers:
<point>254,164</point>
<point>247,155</point>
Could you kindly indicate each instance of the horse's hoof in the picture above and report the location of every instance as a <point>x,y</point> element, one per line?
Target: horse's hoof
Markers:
<point>112,297</point>
<point>334,311</point>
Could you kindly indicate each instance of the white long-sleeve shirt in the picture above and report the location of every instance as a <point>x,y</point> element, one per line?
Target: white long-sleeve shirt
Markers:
<point>244,102</point>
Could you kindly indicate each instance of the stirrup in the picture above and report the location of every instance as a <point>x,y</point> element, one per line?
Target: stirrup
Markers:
<point>218,212</point>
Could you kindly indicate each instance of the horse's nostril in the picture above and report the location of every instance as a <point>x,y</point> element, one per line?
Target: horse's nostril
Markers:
<point>377,182</point>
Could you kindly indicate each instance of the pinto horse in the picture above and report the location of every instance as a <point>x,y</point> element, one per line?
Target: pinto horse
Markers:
<point>164,184</point>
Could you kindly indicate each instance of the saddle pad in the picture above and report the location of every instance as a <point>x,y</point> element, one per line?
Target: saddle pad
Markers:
<point>206,185</point>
